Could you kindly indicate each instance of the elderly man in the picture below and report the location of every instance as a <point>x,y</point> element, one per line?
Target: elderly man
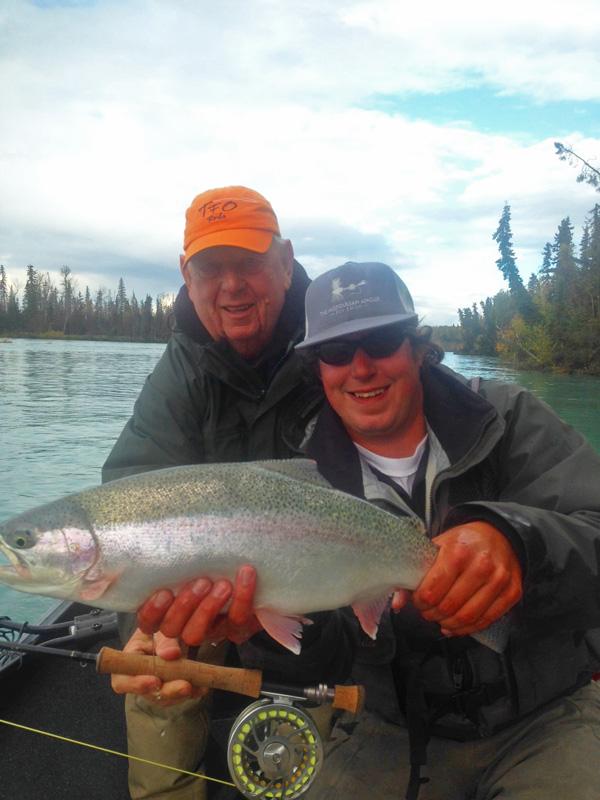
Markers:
<point>229,387</point>
<point>509,494</point>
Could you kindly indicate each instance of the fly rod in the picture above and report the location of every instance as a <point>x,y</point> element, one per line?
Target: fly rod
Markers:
<point>248,682</point>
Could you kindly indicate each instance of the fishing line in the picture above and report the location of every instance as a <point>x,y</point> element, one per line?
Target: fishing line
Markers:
<point>274,746</point>
<point>115,752</point>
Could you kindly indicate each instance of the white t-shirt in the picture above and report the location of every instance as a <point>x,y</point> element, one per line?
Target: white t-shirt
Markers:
<point>401,470</point>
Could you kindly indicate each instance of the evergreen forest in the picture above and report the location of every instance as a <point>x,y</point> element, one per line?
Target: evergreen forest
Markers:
<point>52,311</point>
<point>552,322</point>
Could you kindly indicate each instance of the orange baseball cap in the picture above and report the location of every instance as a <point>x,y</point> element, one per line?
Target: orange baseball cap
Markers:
<point>234,216</point>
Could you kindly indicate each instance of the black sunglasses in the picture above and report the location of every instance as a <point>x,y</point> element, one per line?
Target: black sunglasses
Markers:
<point>381,343</point>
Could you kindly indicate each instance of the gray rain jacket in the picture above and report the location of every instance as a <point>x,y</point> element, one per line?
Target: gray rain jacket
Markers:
<point>503,456</point>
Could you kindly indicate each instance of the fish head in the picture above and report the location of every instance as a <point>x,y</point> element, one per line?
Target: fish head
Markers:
<point>49,549</point>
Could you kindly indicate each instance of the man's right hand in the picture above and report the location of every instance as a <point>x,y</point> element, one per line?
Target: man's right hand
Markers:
<point>196,614</point>
<point>151,687</point>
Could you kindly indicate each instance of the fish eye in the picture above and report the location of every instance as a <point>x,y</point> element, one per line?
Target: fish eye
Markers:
<point>21,540</point>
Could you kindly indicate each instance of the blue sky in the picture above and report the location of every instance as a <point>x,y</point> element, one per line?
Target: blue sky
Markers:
<point>376,134</point>
<point>488,111</point>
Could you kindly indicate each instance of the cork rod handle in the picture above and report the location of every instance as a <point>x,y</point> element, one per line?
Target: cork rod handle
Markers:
<point>212,676</point>
<point>349,698</point>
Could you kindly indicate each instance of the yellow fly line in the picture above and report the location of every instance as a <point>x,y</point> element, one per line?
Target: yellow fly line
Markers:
<point>115,752</point>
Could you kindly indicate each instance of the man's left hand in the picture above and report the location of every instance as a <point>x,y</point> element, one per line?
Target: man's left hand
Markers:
<point>475,579</point>
<point>168,693</point>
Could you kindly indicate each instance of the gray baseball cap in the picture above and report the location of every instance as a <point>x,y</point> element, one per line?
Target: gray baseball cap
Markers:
<point>354,298</point>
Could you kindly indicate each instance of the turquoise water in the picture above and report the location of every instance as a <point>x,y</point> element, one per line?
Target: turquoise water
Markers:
<point>63,404</point>
<point>575,398</point>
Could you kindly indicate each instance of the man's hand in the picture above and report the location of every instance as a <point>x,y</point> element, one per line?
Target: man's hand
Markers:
<point>475,579</point>
<point>196,613</point>
<point>151,687</point>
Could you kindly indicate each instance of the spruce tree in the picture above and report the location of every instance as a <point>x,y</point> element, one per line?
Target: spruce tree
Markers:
<point>546,271</point>
<point>565,287</point>
<point>66,300</point>
<point>147,317</point>
<point>489,336</point>
<point>32,302</point>
<point>134,313</point>
<point>13,312</point>
<point>89,312</point>
<point>507,265</point>
<point>533,284</point>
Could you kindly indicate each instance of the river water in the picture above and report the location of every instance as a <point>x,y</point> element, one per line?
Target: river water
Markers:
<point>63,404</point>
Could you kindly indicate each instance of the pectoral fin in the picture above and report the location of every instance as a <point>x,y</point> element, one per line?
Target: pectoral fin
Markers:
<point>287,630</point>
<point>94,589</point>
<point>369,613</point>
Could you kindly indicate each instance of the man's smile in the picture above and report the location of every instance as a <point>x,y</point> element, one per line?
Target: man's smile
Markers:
<point>239,309</point>
<point>367,394</point>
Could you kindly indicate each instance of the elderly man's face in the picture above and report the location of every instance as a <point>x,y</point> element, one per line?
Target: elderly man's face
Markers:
<point>238,294</point>
<point>379,400</point>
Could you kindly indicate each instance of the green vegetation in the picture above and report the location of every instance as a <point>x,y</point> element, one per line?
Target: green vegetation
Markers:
<point>55,312</point>
<point>554,322</point>
<point>449,337</point>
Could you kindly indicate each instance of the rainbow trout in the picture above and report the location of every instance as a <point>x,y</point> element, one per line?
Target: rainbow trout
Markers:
<point>314,548</point>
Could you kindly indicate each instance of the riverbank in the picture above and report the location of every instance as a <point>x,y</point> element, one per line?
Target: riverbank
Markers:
<point>530,365</point>
<point>517,365</point>
<point>70,337</point>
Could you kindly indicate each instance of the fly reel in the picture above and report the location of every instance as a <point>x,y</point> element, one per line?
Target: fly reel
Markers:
<point>274,750</point>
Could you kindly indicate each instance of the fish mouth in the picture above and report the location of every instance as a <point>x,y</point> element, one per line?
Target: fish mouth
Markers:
<point>16,570</point>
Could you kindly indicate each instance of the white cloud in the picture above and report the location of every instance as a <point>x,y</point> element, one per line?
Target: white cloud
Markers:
<point>516,46</point>
<point>116,114</point>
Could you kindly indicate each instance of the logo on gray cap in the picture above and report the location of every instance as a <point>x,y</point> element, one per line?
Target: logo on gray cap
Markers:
<point>339,292</point>
<point>353,298</point>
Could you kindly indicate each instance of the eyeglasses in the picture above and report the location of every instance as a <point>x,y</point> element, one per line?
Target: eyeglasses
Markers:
<point>251,265</point>
<point>379,344</point>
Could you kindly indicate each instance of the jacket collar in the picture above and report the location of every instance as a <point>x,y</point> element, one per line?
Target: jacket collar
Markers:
<point>336,456</point>
<point>466,424</point>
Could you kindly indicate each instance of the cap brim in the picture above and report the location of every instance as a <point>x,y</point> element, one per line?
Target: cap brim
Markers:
<point>356,326</point>
<point>247,238</point>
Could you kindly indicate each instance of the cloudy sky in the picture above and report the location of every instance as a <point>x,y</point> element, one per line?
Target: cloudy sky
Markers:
<point>380,130</point>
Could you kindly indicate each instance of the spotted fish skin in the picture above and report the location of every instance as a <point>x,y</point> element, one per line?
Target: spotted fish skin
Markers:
<point>314,548</point>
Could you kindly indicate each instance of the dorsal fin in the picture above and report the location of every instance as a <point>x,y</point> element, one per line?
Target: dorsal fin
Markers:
<point>300,469</point>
